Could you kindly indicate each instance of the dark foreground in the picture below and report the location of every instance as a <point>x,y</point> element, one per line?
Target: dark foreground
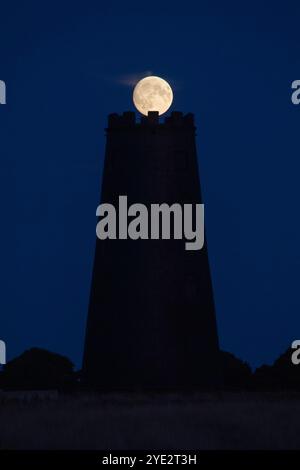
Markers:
<point>141,421</point>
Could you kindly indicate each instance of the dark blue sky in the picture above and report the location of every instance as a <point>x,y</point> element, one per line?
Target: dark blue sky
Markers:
<point>232,65</point>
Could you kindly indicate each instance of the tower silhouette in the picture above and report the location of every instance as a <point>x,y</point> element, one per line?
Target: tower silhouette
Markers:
<point>151,321</point>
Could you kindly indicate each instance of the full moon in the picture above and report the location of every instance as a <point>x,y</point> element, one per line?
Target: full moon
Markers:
<point>152,94</point>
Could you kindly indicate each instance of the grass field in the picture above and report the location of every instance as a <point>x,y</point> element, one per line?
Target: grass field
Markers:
<point>141,421</point>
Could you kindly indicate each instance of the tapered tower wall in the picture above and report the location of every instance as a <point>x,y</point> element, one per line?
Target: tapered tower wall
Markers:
<point>151,321</point>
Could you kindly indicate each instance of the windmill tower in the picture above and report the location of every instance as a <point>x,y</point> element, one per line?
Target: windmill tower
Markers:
<point>151,321</point>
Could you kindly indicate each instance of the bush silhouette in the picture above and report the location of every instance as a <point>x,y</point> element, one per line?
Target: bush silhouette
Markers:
<point>40,369</point>
<point>283,374</point>
<point>236,373</point>
<point>37,369</point>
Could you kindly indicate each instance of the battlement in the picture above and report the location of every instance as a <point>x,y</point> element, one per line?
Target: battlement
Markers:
<point>128,120</point>
<point>144,280</point>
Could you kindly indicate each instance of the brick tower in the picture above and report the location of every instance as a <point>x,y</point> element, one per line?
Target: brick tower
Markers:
<point>151,321</point>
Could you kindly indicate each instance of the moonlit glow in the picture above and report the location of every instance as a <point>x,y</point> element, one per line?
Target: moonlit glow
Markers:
<point>152,94</point>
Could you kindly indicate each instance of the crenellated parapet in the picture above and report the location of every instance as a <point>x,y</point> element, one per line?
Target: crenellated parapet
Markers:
<point>128,120</point>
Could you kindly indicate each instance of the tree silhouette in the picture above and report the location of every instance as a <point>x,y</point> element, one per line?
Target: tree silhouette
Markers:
<point>37,369</point>
<point>283,374</point>
<point>236,373</point>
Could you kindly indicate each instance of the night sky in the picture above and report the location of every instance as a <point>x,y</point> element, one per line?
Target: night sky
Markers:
<point>66,66</point>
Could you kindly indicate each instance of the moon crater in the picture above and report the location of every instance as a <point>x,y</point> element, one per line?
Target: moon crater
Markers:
<point>152,94</point>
